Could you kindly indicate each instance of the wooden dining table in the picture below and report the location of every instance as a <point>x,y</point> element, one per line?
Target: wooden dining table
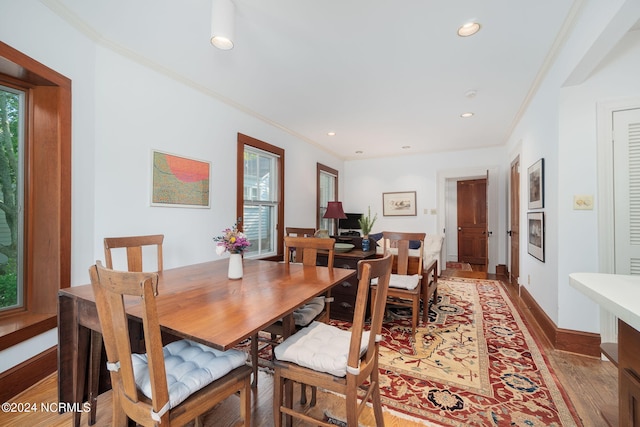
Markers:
<point>197,302</point>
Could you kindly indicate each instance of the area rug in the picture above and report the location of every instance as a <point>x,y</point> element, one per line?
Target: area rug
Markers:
<point>464,266</point>
<point>474,364</point>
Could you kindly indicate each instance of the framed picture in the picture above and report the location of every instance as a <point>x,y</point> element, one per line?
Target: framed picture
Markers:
<point>536,185</point>
<point>399,204</point>
<point>179,181</point>
<point>535,231</point>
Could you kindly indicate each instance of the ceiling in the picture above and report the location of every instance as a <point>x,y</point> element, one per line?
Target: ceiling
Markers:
<point>388,77</point>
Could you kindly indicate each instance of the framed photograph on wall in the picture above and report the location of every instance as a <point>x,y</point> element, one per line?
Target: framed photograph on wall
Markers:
<point>178,181</point>
<point>399,204</point>
<point>535,234</point>
<point>536,185</point>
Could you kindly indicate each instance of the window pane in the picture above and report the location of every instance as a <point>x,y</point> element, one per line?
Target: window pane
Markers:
<point>10,198</point>
<point>259,229</point>
<point>260,201</point>
<point>327,193</point>
<point>259,176</point>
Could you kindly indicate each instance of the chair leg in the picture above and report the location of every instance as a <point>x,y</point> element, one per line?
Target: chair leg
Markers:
<point>95,352</point>
<point>375,398</point>
<point>415,315</point>
<point>254,359</point>
<point>352,408</point>
<point>245,403</point>
<point>277,398</point>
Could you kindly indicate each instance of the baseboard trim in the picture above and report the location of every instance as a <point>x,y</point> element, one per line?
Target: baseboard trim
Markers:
<point>19,378</point>
<point>584,343</point>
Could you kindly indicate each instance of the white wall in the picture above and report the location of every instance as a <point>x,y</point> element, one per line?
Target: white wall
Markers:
<point>123,107</point>
<point>560,126</point>
<point>366,180</point>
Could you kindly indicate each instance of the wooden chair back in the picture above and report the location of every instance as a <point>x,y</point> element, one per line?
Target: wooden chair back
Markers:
<point>110,287</point>
<point>403,263</point>
<point>307,249</point>
<point>361,369</point>
<point>300,232</point>
<point>368,269</point>
<point>133,246</point>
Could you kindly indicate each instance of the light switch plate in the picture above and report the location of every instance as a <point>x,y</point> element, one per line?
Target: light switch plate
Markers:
<point>583,202</point>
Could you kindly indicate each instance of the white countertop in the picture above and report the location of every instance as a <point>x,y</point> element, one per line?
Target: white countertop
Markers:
<point>616,293</point>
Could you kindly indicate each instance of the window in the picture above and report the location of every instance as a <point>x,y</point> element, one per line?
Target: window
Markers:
<point>46,230</point>
<point>327,191</point>
<point>261,185</point>
<point>11,197</point>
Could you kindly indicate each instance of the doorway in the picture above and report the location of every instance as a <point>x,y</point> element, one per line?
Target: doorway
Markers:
<point>514,221</point>
<point>447,211</point>
<point>472,222</point>
<point>613,119</point>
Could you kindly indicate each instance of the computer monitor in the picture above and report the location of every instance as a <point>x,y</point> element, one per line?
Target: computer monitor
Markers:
<point>350,222</point>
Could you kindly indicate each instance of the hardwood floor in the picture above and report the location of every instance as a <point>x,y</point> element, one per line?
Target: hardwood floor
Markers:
<point>590,383</point>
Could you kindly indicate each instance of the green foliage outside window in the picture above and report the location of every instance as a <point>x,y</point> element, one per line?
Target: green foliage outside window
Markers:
<point>9,197</point>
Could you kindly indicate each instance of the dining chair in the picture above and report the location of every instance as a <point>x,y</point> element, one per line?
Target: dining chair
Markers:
<point>298,232</point>
<point>405,283</point>
<point>132,248</point>
<point>317,309</point>
<point>338,360</point>
<point>169,385</point>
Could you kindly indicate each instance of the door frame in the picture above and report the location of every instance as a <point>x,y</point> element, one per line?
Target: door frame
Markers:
<point>605,202</point>
<point>493,199</point>
<point>510,203</point>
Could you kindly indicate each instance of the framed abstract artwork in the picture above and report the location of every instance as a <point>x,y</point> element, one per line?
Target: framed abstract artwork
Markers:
<point>535,234</point>
<point>179,181</point>
<point>399,204</point>
<point>536,185</point>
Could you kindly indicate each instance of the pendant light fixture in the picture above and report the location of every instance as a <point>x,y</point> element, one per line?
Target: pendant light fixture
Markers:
<point>223,24</point>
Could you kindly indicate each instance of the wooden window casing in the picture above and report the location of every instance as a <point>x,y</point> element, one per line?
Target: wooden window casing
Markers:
<point>47,198</point>
<point>277,151</point>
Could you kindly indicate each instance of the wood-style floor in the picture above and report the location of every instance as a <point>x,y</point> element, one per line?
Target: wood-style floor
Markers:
<point>590,384</point>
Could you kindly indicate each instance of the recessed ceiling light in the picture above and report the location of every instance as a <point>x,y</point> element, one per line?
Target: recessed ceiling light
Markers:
<point>359,152</point>
<point>468,29</point>
<point>331,133</point>
<point>406,147</point>
<point>466,115</point>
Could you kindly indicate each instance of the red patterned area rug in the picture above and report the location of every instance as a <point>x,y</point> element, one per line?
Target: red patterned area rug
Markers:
<point>464,266</point>
<point>474,364</point>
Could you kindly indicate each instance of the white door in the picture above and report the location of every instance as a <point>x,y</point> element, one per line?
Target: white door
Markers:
<point>626,160</point>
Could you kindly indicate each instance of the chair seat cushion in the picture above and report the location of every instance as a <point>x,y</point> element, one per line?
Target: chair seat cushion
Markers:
<point>305,314</point>
<point>402,281</point>
<point>189,367</point>
<point>320,347</point>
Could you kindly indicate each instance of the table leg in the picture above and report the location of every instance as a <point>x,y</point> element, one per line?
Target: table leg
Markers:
<point>73,347</point>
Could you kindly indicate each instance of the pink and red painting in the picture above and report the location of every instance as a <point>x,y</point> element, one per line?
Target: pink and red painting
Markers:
<point>180,181</point>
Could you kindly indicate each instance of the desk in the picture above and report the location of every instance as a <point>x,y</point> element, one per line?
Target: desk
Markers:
<point>197,302</point>
<point>344,294</point>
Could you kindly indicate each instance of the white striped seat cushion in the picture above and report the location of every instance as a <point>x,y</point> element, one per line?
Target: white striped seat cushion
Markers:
<point>320,347</point>
<point>401,281</point>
